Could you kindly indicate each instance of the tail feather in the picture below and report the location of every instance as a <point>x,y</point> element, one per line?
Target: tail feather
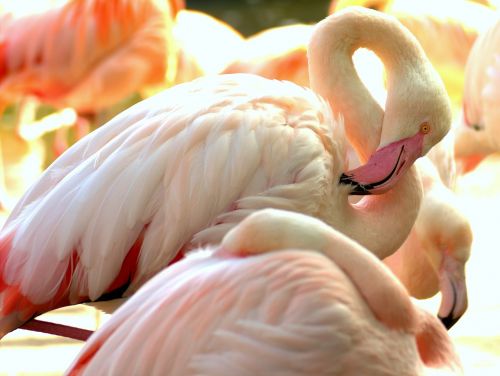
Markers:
<point>15,307</point>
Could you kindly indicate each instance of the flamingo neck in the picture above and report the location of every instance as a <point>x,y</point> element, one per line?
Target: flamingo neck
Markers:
<point>333,75</point>
<point>381,223</point>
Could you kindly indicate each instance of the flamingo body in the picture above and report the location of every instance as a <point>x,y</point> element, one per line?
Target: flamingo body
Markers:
<point>277,53</point>
<point>160,209</point>
<point>265,303</point>
<point>477,132</point>
<point>85,54</point>
<point>206,44</point>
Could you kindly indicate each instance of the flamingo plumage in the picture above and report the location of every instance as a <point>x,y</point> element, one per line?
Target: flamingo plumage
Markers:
<point>205,44</point>
<point>67,56</point>
<point>181,168</point>
<point>477,130</point>
<point>278,53</point>
<point>83,55</point>
<point>434,256</point>
<point>283,294</point>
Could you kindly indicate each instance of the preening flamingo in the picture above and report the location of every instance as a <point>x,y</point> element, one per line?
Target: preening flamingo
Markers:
<point>434,255</point>
<point>183,167</point>
<point>283,294</point>
<point>431,244</point>
<point>446,29</point>
<point>477,133</point>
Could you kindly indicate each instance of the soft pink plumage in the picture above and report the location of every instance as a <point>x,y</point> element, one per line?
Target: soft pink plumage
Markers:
<point>478,132</point>
<point>86,54</point>
<point>183,167</point>
<point>433,257</point>
<point>278,53</point>
<point>283,294</point>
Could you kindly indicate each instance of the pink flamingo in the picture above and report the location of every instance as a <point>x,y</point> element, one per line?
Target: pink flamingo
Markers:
<point>477,134</point>
<point>83,54</point>
<point>277,53</point>
<point>78,54</point>
<point>283,294</point>
<point>446,30</point>
<point>183,167</point>
<point>434,255</point>
<point>205,44</point>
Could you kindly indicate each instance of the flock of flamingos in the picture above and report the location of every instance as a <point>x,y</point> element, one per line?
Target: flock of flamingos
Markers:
<point>274,205</point>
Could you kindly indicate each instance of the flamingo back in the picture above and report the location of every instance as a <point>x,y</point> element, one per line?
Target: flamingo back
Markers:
<point>120,204</point>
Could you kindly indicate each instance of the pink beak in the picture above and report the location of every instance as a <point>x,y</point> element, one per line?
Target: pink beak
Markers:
<point>385,167</point>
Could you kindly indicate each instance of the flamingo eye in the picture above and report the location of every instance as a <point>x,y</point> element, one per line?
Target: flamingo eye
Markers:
<point>425,128</point>
<point>476,127</point>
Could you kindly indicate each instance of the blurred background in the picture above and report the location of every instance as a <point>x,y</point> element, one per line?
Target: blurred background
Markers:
<point>36,128</point>
<point>252,16</point>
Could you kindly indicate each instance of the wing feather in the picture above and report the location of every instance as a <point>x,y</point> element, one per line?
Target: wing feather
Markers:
<point>180,168</point>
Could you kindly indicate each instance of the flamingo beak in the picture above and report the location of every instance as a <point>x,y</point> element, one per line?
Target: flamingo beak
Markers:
<point>385,167</point>
<point>453,290</point>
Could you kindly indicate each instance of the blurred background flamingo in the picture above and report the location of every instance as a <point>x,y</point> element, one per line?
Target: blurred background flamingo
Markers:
<point>85,55</point>
<point>478,133</point>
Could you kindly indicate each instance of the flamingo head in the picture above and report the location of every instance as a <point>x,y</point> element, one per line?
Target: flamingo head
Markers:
<point>446,237</point>
<point>416,118</point>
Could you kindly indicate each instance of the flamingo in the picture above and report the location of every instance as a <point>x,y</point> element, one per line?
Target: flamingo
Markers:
<point>205,44</point>
<point>77,54</point>
<point>283,294</point>
<point>183,167</point>
<point>85,55</point>
<point>434,255</point>
<point>446,30</point>
<point>277,53</point>
<point>476,133</point>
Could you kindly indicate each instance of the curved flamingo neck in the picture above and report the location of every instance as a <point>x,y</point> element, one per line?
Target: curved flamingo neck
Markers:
<point>381,223</point>
<point>333,75</point>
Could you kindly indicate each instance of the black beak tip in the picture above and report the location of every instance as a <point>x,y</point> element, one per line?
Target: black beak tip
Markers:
<point>449,321</point>
<point>357,189</point>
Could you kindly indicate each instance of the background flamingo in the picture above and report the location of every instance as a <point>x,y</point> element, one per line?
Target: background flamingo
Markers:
<point>66,56</point>
<point>284,293</point>
<point>123,201</point>
<point>206,44</point>
<point>77,55</point>
<point>477,133</point>
<point>276,53</point>
<point>434,255</point>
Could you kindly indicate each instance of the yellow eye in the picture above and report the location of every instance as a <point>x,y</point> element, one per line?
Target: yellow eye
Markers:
<point>425,128</point>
